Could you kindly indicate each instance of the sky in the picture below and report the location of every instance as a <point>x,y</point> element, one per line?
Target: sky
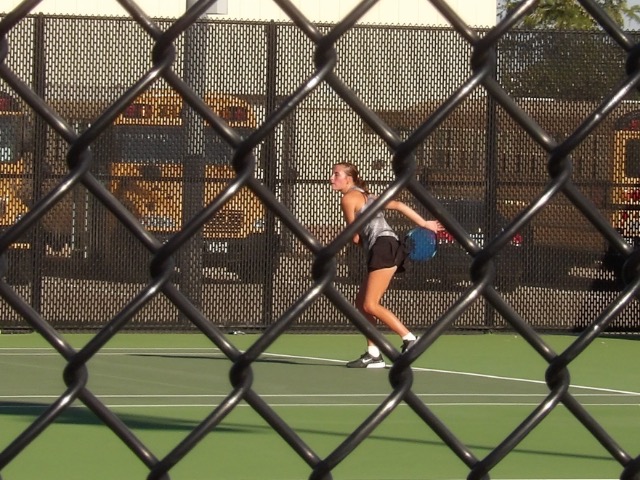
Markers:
<point>634,25</point>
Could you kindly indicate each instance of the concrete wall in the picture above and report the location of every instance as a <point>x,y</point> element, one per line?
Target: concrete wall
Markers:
<point>479,13</point>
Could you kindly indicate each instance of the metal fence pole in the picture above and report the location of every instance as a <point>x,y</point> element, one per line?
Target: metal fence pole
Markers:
<point>270,171</point>
<point>39,153</point>
<point>491,191</point>
<point>191,259</point>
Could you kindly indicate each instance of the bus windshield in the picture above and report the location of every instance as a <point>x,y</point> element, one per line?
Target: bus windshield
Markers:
<point>632,158</point>
<point>144,144</point>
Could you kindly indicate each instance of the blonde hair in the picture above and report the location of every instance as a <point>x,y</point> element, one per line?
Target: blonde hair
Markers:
<point>351,170</point>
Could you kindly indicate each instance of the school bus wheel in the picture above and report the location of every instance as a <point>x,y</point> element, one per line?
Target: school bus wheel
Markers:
<point>250,262</point>
<point>547,267</point>
<point>19,266</point>
<point>127,260</point>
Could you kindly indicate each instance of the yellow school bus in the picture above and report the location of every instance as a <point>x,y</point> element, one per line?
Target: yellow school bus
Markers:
<point>149,172</point>
<point>456,160</point>
<point>626,177</point>
<point>144,160</point>
<point>13,178</point>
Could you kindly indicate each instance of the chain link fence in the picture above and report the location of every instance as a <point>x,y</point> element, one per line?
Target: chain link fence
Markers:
<point>154,173</point>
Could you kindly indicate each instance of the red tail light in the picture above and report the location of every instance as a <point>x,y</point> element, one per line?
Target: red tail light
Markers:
<point>444,237</point>
<point>633,195</point>
<point>7,104</point>
<point>624,216</point>
<point>517,240</point>
<point>138,110</point>
<point>234,113</point>
<point>632,124</point>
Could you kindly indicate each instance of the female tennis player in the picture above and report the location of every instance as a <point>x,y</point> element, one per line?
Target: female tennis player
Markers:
<point>386,256</point>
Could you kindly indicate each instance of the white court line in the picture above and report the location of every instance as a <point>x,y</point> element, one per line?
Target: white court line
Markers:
<point>213,351</point>
<point>470,374</point>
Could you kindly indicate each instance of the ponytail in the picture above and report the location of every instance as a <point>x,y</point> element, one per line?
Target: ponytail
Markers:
<point>351,170</point>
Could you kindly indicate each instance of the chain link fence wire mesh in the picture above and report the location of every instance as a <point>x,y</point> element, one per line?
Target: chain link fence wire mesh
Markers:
<point>174,175</point>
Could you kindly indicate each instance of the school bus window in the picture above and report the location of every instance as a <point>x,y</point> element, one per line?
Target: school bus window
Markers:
<point>458,148</point>
<point>442,148</point>
<point>632,158</point>
<point>169,111</point>
<point>217,152</point>
<point>8,140</point>
<point>586,156</point>
<point>143,144</point>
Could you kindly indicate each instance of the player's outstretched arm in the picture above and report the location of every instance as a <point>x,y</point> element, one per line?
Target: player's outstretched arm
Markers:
<point>414,216</point>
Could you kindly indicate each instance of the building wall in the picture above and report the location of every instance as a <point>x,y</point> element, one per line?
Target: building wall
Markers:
<point>479,13</point>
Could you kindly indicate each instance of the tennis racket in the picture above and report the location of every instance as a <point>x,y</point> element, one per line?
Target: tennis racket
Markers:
<point>422,244</point>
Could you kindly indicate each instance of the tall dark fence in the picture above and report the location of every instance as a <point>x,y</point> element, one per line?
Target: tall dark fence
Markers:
<point>471,154</point>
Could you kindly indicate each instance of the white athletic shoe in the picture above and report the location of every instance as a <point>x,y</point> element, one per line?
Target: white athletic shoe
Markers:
<point>407,344</point>
<point>367,361</point>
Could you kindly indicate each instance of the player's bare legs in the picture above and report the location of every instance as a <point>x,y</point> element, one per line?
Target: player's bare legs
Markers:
<point>370,295</point>
<point>368,302</point>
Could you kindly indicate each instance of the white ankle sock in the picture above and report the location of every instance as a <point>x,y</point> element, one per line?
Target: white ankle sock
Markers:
<point>409,336</point>
<point>373,351</point>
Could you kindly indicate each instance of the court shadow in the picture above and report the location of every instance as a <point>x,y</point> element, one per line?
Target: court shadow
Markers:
<point>77,415</point>
<point>80,415</point>
<point>223,358</point>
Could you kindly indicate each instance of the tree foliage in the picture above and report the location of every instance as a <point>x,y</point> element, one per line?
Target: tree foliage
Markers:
<point>571,15</point>
<point>559,51</point>
<point>572,65</point>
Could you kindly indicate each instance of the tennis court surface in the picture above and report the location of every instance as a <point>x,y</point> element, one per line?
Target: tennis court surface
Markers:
<point>163,385</point>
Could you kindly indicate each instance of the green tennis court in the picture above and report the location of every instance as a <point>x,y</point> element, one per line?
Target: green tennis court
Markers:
<point>163,385</point>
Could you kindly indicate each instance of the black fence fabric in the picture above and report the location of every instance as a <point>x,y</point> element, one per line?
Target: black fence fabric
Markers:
<point>155,172</point>
<point>477,160</point>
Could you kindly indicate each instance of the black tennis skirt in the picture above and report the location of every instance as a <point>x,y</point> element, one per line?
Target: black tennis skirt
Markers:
<point>388,252</point>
